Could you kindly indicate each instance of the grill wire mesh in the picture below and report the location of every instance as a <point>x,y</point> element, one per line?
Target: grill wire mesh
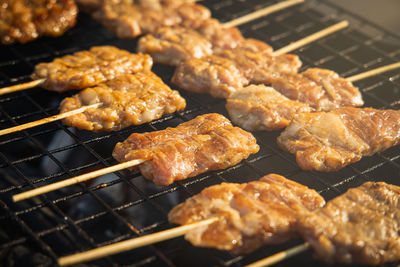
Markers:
<point>124,205</point>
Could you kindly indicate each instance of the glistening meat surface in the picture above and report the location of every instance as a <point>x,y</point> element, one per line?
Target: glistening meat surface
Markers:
<point>25,20</point>
<point>258,107</point>
<point>321,89</point>
<point>360,226</point>
<point>328,141</point>
<point>249,215</point>
<point>129,99</point>
<point>88,68</point>
<point>207,142</point>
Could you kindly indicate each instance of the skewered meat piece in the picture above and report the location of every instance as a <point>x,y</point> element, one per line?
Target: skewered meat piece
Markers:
<point>250,214</point>
<point>208,142</point>
<point>85,69</point>
<point>172,45</point>
<point>129,99</point>
<point>258,107</point>
<point>328,141</point>
<point>222,74</point>
<point>360,226</point>
<point>322,89</point>
<point>92,5</point>
<point>130,20</point>
<point>25,20</point>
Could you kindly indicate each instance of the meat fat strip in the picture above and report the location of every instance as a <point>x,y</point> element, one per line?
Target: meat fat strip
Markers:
<point>88,68</point>
<point>360,226</point>
<point>208,142</point>
<point>129,99</point>
<point>249,215</point>
<point>329,141</point>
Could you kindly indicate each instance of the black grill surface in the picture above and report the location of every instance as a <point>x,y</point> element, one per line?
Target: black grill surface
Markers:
<point>124,205</point>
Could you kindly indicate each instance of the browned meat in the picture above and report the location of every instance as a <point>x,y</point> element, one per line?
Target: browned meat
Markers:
<point>219,35</point>
<point>89,5</point>
<point>250,214</point>
<point>328,141</point>
<point>208,142</point>
<point>92,5</point>
<point>258,107</point>
<point>171,45</point>
<point>25,20</point>
<point>85,69</point>
<point>129,99</point>
<point>222,74</point>
<point>360,226</point>
<point>322,89</point>
<point>215,75</point>
<point>127,20</point>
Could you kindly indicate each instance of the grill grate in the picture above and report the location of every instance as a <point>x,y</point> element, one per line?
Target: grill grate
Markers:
<point>124,205</point>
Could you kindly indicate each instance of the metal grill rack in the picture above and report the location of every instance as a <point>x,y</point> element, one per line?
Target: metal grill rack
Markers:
<point>124,205</point>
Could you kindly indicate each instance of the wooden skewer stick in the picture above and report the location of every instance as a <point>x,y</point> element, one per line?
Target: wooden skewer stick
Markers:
<point>47,120</point>
<point>241,20</point>
<point>283,255</point>
<point>22,86</point>
<point>132,243</point>
<point>373,72</point>
<point>261,13</point>
<point>75,180</point>
<point>312,38</point>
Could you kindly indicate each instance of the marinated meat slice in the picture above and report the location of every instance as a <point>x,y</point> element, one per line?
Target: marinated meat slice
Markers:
<point>322,89</point>
<point>360,226</point>
<point>218,34</point>
<point>85,69</point>
<point>92,5</point>
<point>25,20</point>
<point>198,126</point>
<point>250,214</point>
<point>208,142</point>
<point>328,141</point>
<point>222,74</point>
<point>131,20</point>
<point>172,45</point>
<point>215,75</point>
<point>129,99</point>
<point>258,107</point>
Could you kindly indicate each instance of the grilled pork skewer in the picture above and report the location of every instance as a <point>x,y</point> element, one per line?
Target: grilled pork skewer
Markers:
<point>229,216</point>
<point>205,143</point>
<point>66,64</point>
<point>251,62</point>
<point>269,110</point>
<point>129,99</point>
<point>85,69</point>
<point>339,229</point>
<point>360,226</point>
<point>329,141</point>
<point>274,107</point>
<point>23,21</point>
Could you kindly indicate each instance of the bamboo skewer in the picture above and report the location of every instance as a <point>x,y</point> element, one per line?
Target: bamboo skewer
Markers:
<point>47,120</point>
<point>261,13</point>
<point>22,86</point>
<point>75,180</point>
<point>312,38</point>
<point>280,256</point>
<point>288,48</point>
<point>373,72</point>
<point>236,22</point>
<point>132,243</point>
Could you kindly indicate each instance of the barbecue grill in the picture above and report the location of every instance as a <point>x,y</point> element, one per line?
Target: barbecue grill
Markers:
<point>124,205</point>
